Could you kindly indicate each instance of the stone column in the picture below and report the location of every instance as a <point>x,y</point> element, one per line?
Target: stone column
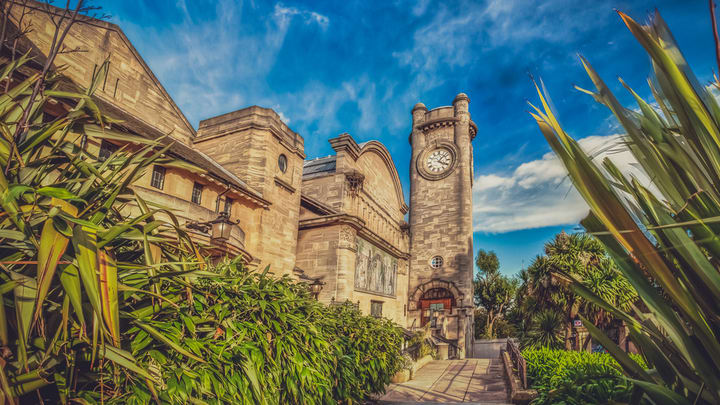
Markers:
<point>462,141</point>
<point>346,252</point>
<point>417,141</point>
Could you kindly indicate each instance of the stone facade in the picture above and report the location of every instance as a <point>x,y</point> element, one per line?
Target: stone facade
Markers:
<point>351,228</point>
<point>339,219</point>
<point>441,265</point>
<point>250,143</point>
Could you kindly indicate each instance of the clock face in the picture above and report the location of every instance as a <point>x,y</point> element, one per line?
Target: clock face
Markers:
<point>439,160</point>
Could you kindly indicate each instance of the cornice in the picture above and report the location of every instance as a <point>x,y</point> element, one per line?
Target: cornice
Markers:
<point>427,126</point>
<point>284,184</point>
<point>346,143</point>
<point>359,225</point>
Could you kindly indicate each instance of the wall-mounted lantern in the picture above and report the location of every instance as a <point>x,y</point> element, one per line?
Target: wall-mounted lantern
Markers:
<point>221,228</point>
<point>315,288</point>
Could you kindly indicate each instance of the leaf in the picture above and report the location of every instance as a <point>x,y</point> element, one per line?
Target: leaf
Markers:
<point>164,339</point>
<point>70,281</point>
<point>52,247</point>
<point>109,292</point>
<point>11,234</point>
<point>57,192</point>
<point>24,295</point>
<point>124,359</point>
<point>84,241</point>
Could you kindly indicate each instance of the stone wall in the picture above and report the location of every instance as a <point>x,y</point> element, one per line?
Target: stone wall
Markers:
<point>176,196</point>
<point>130,84</point>
<point>248,143</point>
<point>365,218</point>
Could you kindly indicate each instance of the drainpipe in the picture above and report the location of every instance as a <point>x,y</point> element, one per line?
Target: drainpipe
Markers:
<point>217,200</point>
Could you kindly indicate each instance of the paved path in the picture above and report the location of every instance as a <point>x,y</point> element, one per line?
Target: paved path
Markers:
<point>469,381</point>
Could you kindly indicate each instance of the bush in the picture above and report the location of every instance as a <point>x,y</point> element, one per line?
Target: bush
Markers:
<point>569,377</point>
<point>249,338</point>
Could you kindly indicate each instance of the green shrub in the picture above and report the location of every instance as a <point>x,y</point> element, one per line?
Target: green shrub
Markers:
<point>569,377</point>
<point>262,340</point>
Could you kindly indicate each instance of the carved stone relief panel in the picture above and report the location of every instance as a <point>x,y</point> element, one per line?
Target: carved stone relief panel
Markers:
<point>347,238</point>
<point>375,269</point>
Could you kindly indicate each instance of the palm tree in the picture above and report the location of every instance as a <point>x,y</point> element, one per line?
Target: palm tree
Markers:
<point>582,257</point>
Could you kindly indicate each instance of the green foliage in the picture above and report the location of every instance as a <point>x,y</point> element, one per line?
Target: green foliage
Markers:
<point>75,270</point>
<point>502,328</point>
<point>568,377</point>
<point>546,330</point>
<point>264,341</point>
<point>545,287</point>
<point>487,262</point>
<point>662,233</point>
<point>421,341</point>
<point>492,291</point>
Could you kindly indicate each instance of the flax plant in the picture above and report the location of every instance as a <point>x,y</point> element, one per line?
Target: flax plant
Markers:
<point>75,268</point>
<point>662,233</point>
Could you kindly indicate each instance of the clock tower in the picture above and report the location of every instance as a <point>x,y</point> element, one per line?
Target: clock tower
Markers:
<point>441,252</point>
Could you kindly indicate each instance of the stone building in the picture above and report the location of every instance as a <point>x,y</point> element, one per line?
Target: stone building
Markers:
<point>339,220</point>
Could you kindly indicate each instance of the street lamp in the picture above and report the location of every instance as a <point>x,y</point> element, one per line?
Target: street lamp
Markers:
<point>315,287</point>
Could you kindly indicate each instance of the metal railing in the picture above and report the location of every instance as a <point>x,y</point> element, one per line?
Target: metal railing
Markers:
<point>518,361</point>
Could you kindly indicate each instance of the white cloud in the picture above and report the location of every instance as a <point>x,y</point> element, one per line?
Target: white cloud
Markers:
<point>539,193</point>
<point>457,39</point>
<point>286,13</point>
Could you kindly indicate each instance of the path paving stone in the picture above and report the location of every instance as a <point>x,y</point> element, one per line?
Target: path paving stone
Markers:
<point>469,381</point>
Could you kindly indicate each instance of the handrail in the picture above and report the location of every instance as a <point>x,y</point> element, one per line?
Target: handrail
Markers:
<point>518,361</point>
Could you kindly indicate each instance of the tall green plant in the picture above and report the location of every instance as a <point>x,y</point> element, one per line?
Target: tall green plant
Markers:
<point>663,236</point>
<point>75,271</point>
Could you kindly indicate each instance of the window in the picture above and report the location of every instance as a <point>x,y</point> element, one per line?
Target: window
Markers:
<point>376,308</point>
<point>436,262</point>
<point>158,177</point>
<point>228,206</point>
<point>282,163</point>
<point>197,193</point>
<point>106,150</point>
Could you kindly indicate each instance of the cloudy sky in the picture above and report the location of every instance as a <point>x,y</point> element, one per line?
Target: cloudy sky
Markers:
<point>329,67</point>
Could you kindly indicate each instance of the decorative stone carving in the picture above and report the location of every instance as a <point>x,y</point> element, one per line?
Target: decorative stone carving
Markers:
<point>355,182</point>
<point>347,239</point>
<point>375,270</point>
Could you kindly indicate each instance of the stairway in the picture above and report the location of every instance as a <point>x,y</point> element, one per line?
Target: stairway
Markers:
<point>468,381</point>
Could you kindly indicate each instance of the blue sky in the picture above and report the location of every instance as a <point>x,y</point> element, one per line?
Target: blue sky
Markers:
<point>330,67</point>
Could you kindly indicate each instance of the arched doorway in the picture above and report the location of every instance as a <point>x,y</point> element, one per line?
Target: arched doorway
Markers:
<point>434,302</point>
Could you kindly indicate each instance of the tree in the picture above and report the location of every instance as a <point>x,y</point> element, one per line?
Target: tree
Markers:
<point>579,256</point>
<point>487,262</point>
<point>492,291</point>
